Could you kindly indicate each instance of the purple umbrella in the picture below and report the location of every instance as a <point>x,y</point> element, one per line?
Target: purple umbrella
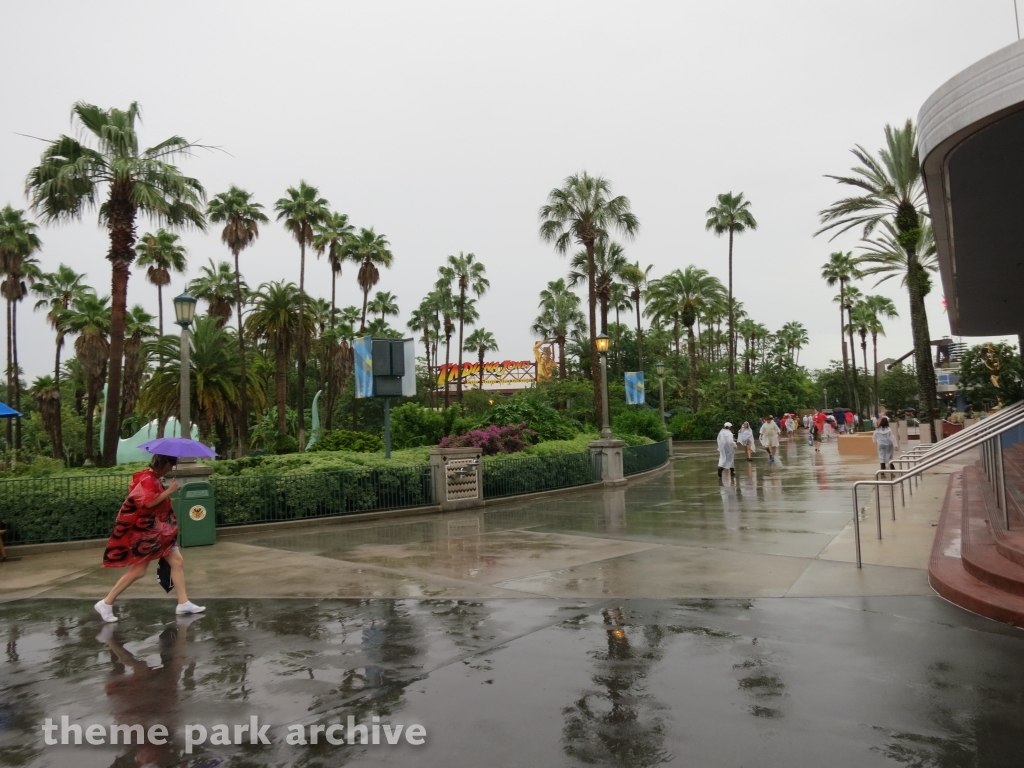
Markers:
<point>179,448</point>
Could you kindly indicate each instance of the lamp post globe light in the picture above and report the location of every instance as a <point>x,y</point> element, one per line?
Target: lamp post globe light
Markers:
<point>602,342</point>
<point>184,314</point>
<point>660,368</point>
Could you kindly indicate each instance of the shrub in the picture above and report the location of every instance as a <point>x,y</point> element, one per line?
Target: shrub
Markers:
<point>639,421</point>
<point>707,423</point>
<point>493,439</point>
<point>413,425</point>
<point>537,415</point>
<point>347,440</point>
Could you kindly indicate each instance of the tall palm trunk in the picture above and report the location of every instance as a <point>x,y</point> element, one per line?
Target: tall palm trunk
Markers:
<point>121,218</point>
<point>561,356</point>
<point>302,347</point>
<point>874,349</point>
<point>160,306</point>
<point>639,332</point>
<point>691,352</point>
<point>595,370</point>
<point>243,411</point>
<point>281,384</point>
<point>480,360</point>
<point>56,361</point>
<point>732,321</point>
<point>10,370</point>
<point>842,336</point>
<point>917,286</point>
<point>447,362</point>
<point>331,394</point>
<point>16,401</point>
<point>462,320</point>
<point>853,365</point>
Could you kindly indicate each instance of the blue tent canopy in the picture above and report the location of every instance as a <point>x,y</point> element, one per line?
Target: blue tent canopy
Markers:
<point>6,412</point>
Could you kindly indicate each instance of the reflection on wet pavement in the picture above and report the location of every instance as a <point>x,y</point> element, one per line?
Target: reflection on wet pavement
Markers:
<point>858,682</point>
<point>678,620</point>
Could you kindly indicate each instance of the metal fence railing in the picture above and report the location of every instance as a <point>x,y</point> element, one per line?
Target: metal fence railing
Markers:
<point>640,458</point>
<point>40,509</point>
<point>529,474</point>
<point>246,499</point>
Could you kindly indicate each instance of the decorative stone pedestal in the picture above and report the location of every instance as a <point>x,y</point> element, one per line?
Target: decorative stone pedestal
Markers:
<point>457,477</point>
<point>608,452</point>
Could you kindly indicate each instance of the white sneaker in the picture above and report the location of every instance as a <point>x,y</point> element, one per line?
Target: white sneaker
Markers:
<point>105,611</point>
<point>189,607</point>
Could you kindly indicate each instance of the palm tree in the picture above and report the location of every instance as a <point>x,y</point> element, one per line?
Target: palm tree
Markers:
<point>560,314</point>
<point>384,303</point>
<point>303,211</point>
<point>890,189</point>
<point>273,319</point>
<point>468,274</point>
<point>241,217</point>
<point>18,241</point>
<point>56,291</point>
<point>481,341</point>
<point>609,261</point>
<point>875,308</point>
<point>796,336</point>
<point>46,392</point>
<point>162,254</point>
<point>90,318</point>
<point>619,300</point>
<point>730,216</point>
<point>368,249</point>
<point>74,175</point>
<point>583,211</point>
<point>853,297</point>
<point>15,288</point>
<point>218,286</point>
<point>681,296</point>
<point>636,278</point>
<point>841,268</point>
<point>138,328</point>
<point>444,306</point>
<point>330,238</point>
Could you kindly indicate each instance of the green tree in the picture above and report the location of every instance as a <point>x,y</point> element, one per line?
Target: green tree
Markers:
<point>72,176</point>
<point>468,274</point>
<point>731,215</point>
<point>481,341</point>
<point>384,303</point>
<point>56,291</point>
<point>636,278</point>
<point>241,217</point>
<point>794,334</point>
<point>840,269</point>
<point>273,319</point>
<point>982,366</point>
<point>873,309</point>
<point>46,392</point>
<point>609,262</point>
<point>890,188</point>
<point>89,317</point>
<point>18,241</point>
<point>898,389</point>
<point>330,238</point>
<point>162,254</point>
<point>583,211</point>
<point>218,287</point>
<point>368,249</point>
<point>560,315</point>
<point>138,328</point>
<point>303,211</point>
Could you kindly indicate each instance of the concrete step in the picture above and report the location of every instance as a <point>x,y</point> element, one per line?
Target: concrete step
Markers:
<point>981,522</point>
<point>948,576</point>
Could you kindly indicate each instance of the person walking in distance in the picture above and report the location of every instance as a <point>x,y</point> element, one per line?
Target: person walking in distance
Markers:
<point>769,435</point>
<point>726,450</point>
<point>746,439</point>
<point>886,442</point>
<point>146,530</point>
<point>818,421</point>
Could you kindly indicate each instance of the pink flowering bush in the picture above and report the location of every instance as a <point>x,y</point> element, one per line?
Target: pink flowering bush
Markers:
<point>493,439</point>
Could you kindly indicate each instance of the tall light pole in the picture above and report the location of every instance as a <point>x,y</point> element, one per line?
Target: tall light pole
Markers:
<point>602,348</point>
<point>660,368</point>
<point>185,313</point>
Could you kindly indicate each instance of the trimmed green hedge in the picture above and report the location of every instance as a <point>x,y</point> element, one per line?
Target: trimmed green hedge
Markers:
<point>60,508</point>
<point>513,475</point>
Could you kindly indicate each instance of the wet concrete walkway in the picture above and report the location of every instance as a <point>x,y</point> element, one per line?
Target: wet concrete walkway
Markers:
<point>675,621</point>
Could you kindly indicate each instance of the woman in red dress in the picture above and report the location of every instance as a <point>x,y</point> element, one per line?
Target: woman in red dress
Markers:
<point>146,530</point>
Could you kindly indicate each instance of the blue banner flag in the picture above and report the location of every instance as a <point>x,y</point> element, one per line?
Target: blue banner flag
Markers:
<point>363,350</point>
<point>634,387</point>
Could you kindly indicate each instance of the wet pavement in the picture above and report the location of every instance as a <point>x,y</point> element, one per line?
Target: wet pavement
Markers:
<point>676,621</point>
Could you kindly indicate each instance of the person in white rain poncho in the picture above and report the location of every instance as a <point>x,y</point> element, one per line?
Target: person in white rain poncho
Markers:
<point>886,442</point>
<point>769,435</point>
<point>726,449</point>
<point>746,439</point>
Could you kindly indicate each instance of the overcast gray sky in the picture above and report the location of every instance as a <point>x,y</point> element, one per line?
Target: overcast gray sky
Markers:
<point>445,124</point>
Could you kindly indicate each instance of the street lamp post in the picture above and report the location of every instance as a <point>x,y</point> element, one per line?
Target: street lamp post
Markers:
<point>602,349</point>
<point>660,368</point>
<point>184,313</point>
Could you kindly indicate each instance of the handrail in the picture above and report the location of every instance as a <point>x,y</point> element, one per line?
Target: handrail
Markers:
<point>928,463</point>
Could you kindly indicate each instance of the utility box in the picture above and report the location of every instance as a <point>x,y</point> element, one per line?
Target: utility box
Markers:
<point>388,367</point>
<point>196,513</point>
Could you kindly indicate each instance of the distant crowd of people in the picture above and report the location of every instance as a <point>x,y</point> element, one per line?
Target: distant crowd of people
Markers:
<point>819,426</point>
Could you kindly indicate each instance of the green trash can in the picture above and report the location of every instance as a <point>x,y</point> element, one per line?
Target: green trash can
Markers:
<point>196,513</point>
